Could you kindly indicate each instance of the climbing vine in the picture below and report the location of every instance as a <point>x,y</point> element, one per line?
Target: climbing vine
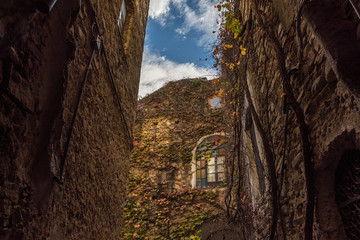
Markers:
<point>161,203</point>
<point>154,213</point>
<point>235,53</point>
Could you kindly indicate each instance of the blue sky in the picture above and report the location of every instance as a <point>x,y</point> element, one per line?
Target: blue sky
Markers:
<point>178,35</point>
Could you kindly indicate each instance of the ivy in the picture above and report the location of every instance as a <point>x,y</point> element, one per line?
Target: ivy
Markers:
<point>165,134</point>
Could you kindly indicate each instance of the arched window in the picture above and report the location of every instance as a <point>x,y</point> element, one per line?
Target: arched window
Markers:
<point>347,192</point>
<point>208,161</point>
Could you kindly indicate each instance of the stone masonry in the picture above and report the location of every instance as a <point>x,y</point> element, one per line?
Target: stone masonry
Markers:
<point>44,58</point>
<point>327,88</point>
<point>162,203</point>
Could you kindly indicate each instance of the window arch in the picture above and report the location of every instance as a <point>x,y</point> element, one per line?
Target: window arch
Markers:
<point>209,161</point>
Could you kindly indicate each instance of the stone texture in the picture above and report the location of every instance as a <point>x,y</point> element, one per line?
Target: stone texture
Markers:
<point>329,73</point>
<point>329,100</point>
<point>168,126</point>
<point>318,85</point>
<point>43,58</point>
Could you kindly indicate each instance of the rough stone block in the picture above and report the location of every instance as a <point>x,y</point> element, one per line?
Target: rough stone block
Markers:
<point>329,73</point>
<point>296,161</point>
<point>318,85</point>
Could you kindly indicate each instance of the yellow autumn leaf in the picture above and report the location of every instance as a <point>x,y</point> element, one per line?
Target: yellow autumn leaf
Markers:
<point>226,46</point>
<point>231,66</point>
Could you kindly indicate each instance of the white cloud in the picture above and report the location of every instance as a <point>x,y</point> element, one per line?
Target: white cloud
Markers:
<point>157,70</point>
<point>159,9</point>
<point>202,21</point>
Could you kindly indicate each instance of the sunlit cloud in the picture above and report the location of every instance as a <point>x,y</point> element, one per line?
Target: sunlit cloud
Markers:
<point>157,70</point>
<point>159,10</point>
<point>202,20</point>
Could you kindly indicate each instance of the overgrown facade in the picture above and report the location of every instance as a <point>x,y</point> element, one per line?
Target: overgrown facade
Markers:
<point>69,79</point>
<point>297,123</point>
<point>177,178</point>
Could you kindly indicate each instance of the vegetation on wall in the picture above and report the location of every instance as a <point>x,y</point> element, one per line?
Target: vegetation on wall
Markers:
<point>152,212</point>
<point>161,203</point>
<point>236,54</point>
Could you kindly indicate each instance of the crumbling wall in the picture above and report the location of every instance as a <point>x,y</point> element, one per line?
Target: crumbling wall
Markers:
<point>44,60</point>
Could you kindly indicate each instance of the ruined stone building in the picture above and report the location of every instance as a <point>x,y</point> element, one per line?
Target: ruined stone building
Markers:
<point>296,91</point>
<point>69,75</point>
<point>177,177</point>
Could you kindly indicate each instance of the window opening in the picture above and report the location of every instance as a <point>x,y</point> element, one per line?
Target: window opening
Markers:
<point>250,129</point>
<point>259,165</point>
<point>210,159</point>
<point>215,102</point>
<point>122,16</point>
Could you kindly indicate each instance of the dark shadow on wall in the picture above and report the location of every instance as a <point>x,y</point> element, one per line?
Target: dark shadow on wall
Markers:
<point>337,35</point>
<point>327,215</point>
<point>347,192</point>
<point>58,52</point>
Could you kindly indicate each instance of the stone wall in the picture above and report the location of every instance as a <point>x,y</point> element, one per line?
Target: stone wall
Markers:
<point>326,87</point>
<point>44,58</point>
<point>162,203</point>
<point>176,117</point>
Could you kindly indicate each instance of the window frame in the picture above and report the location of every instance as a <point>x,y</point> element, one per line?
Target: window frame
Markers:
<point>209,152</point>
<point>203,164</point>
